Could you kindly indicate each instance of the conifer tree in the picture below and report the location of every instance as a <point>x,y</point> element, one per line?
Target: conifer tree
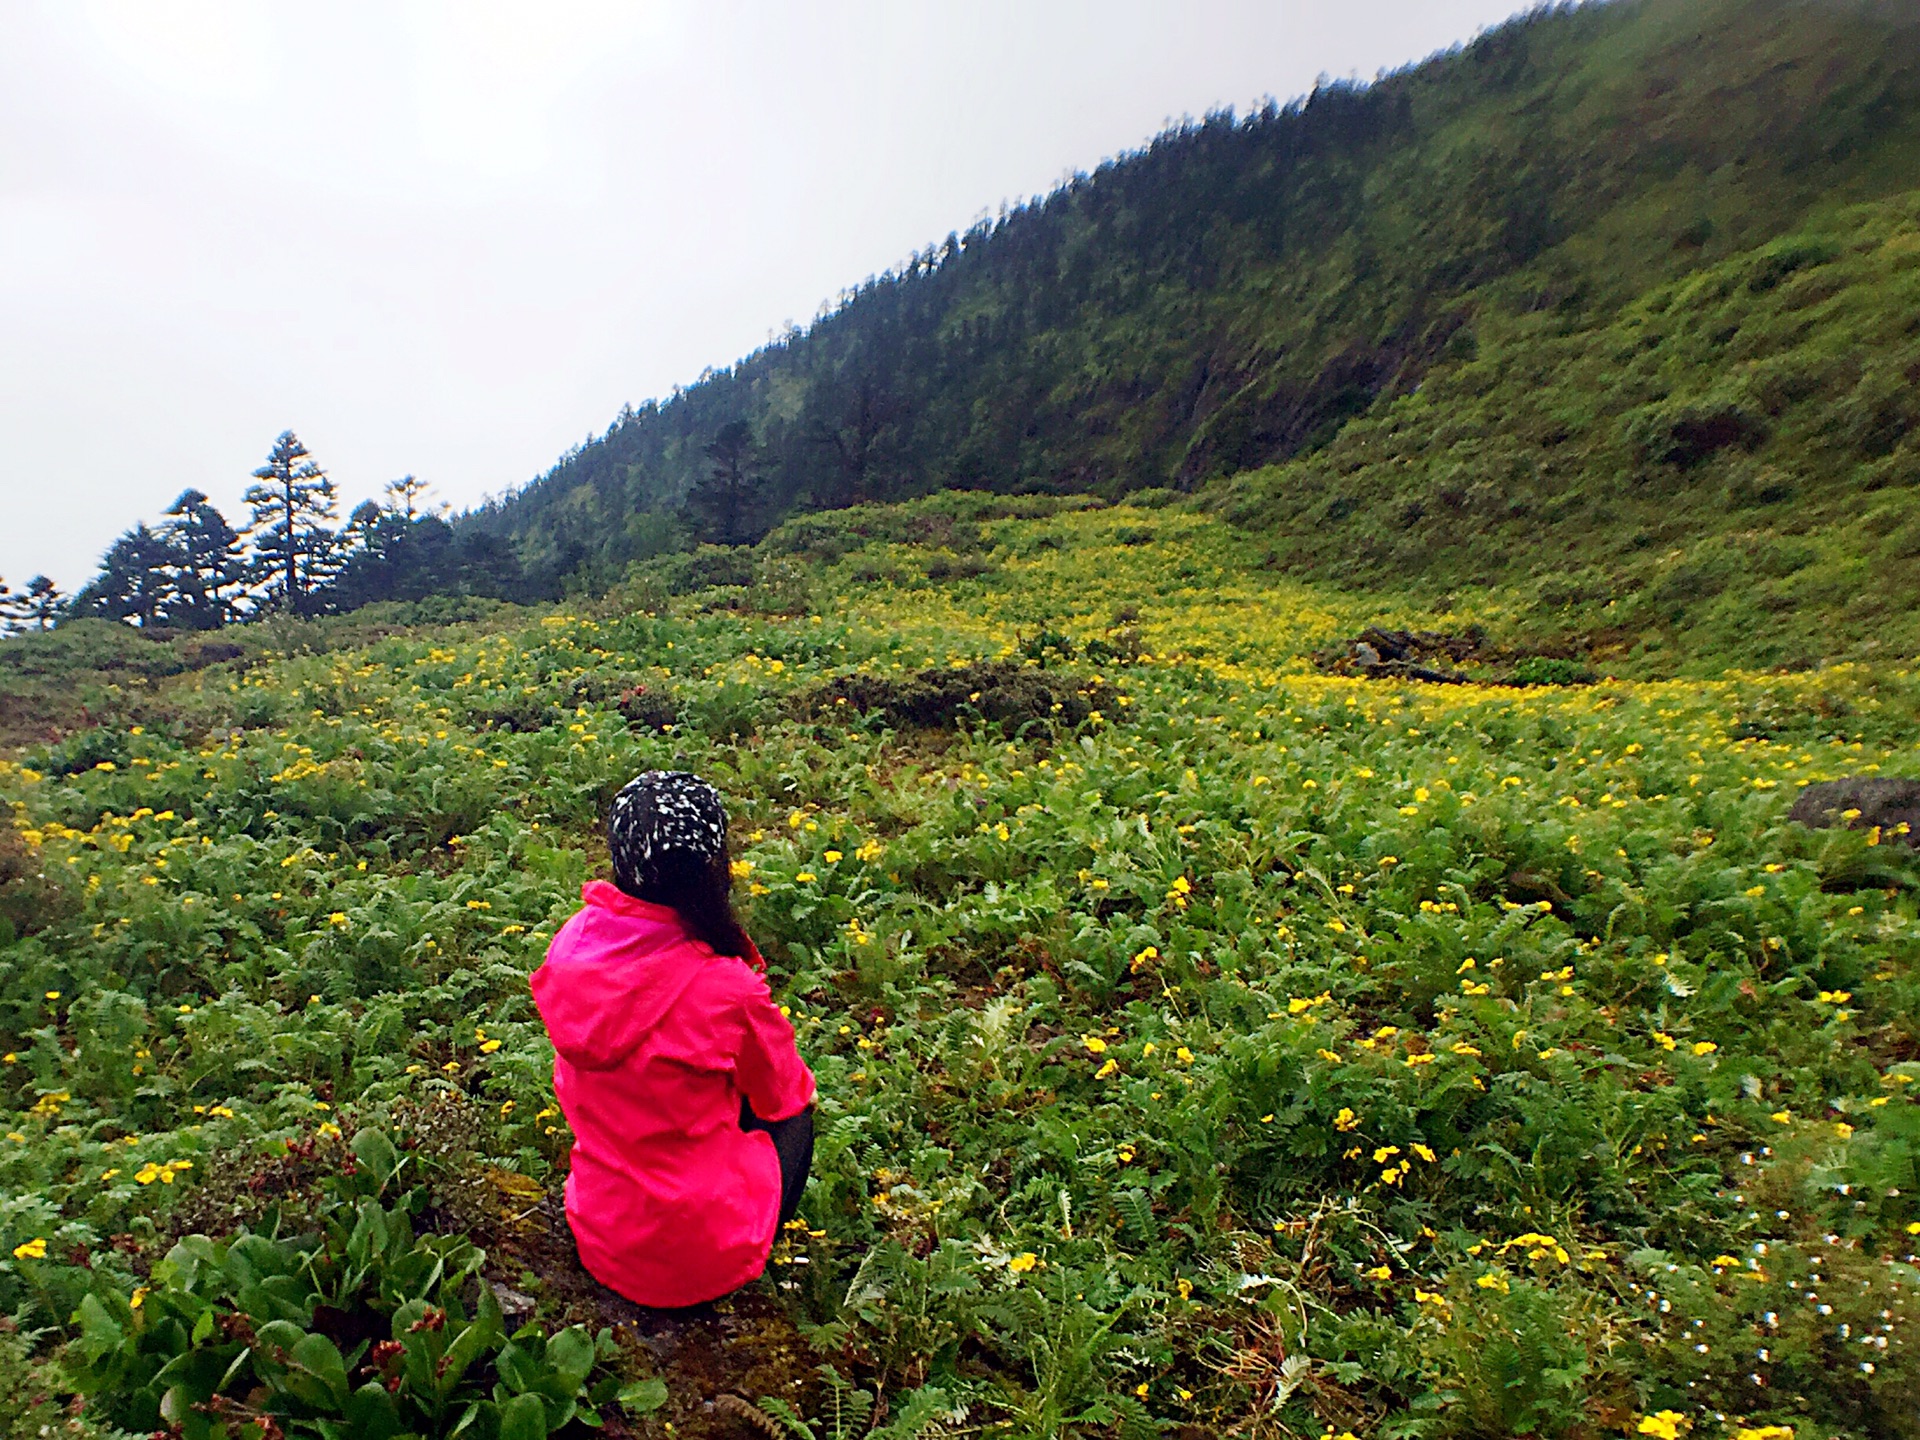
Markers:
<point>724,503</point>
<point>43,604</point>
<point>135,580</point>
<point>362,530</point>
<point>208,566</point>
<point>293,543</point>
<point>404,496</point>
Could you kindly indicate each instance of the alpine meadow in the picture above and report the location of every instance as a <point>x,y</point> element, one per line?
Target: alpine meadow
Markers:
<point>1322,743</point>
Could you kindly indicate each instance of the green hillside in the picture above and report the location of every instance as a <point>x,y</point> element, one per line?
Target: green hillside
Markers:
<point>1723,470</point>
<point>1280,288</point>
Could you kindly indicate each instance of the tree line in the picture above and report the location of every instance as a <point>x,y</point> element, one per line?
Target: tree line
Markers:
<point>195,570</point>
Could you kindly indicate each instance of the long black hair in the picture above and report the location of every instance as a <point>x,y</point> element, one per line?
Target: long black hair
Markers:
<point>701,890</point>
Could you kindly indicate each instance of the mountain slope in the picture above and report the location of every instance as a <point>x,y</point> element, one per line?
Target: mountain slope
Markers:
<point>1725,466</point>
<point>1234,294</point>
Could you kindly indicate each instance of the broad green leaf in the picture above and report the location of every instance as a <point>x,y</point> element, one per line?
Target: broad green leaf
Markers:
<point>523,1418</point>
<point>371,1413</point>
<point>318,1361</point>
<point>570,1354</point>
<point>642,1397</point>
<point>375,1151</point>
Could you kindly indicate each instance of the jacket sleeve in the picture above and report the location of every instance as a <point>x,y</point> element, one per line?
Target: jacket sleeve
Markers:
<point>768,1068</point>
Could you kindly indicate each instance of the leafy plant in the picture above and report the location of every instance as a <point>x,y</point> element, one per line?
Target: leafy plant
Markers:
<point>365,1331</point>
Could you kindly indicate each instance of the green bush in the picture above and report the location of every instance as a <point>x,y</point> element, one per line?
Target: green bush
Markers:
<point>365,1331</point>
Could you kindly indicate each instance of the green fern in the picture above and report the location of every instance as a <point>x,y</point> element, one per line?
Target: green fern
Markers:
<point>1136,1213</point>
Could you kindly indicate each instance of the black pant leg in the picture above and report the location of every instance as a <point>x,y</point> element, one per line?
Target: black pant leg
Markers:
<point>793,1143</point>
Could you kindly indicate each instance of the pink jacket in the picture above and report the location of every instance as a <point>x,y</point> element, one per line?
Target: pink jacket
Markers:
<point>656,1039</point>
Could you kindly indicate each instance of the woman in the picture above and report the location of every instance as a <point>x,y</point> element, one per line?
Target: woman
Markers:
<point>691,1109</point>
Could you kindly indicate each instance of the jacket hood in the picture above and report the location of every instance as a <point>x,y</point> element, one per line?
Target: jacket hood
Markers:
<point>612,973</point>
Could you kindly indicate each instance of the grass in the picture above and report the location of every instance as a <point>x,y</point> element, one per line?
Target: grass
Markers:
<point>1269,1052</point>
<point>1722,471</point>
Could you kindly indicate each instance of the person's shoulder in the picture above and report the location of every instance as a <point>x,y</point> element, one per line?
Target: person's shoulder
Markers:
<point>730,978</point>
<point>568,938</point>
<point>717,972</point>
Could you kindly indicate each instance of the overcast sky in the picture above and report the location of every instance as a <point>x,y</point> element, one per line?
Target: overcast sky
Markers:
<point>453,237</point>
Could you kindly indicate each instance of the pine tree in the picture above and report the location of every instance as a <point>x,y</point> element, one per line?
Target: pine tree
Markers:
<point>724,503</point>
<point>292,542</point>
<point>404,496</point>
<point>362,532</point>
<point>855,438</point>
<point>43,605</point>
<point>135,581</point>
<point>209,569</point>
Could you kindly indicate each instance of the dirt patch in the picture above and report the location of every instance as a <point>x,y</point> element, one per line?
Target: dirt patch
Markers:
<point>1442,657</point>
<point>744,1344</point>
<point>995,691</point>
<point>650,707</point>
<point>1889,806</point>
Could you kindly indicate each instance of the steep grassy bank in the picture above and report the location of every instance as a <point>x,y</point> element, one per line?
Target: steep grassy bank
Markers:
<point>1725,470</point>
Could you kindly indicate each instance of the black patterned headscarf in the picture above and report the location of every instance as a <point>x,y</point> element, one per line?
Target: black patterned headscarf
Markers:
<point>658,815</point>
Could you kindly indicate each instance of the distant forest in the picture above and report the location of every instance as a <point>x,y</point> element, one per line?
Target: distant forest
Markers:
<point>1227,298</point>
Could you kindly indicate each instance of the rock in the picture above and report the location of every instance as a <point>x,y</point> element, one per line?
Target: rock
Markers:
<point>1887,803</point>
<point>1378,654</point>
<point>512,1302</point>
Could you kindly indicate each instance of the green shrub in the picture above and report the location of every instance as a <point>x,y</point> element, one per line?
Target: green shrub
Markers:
<point>1683,434</point>
<point>366,1330</point>
<point>1010,696</point>
<point>1788,257</point>
<point>1511,1359</point>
